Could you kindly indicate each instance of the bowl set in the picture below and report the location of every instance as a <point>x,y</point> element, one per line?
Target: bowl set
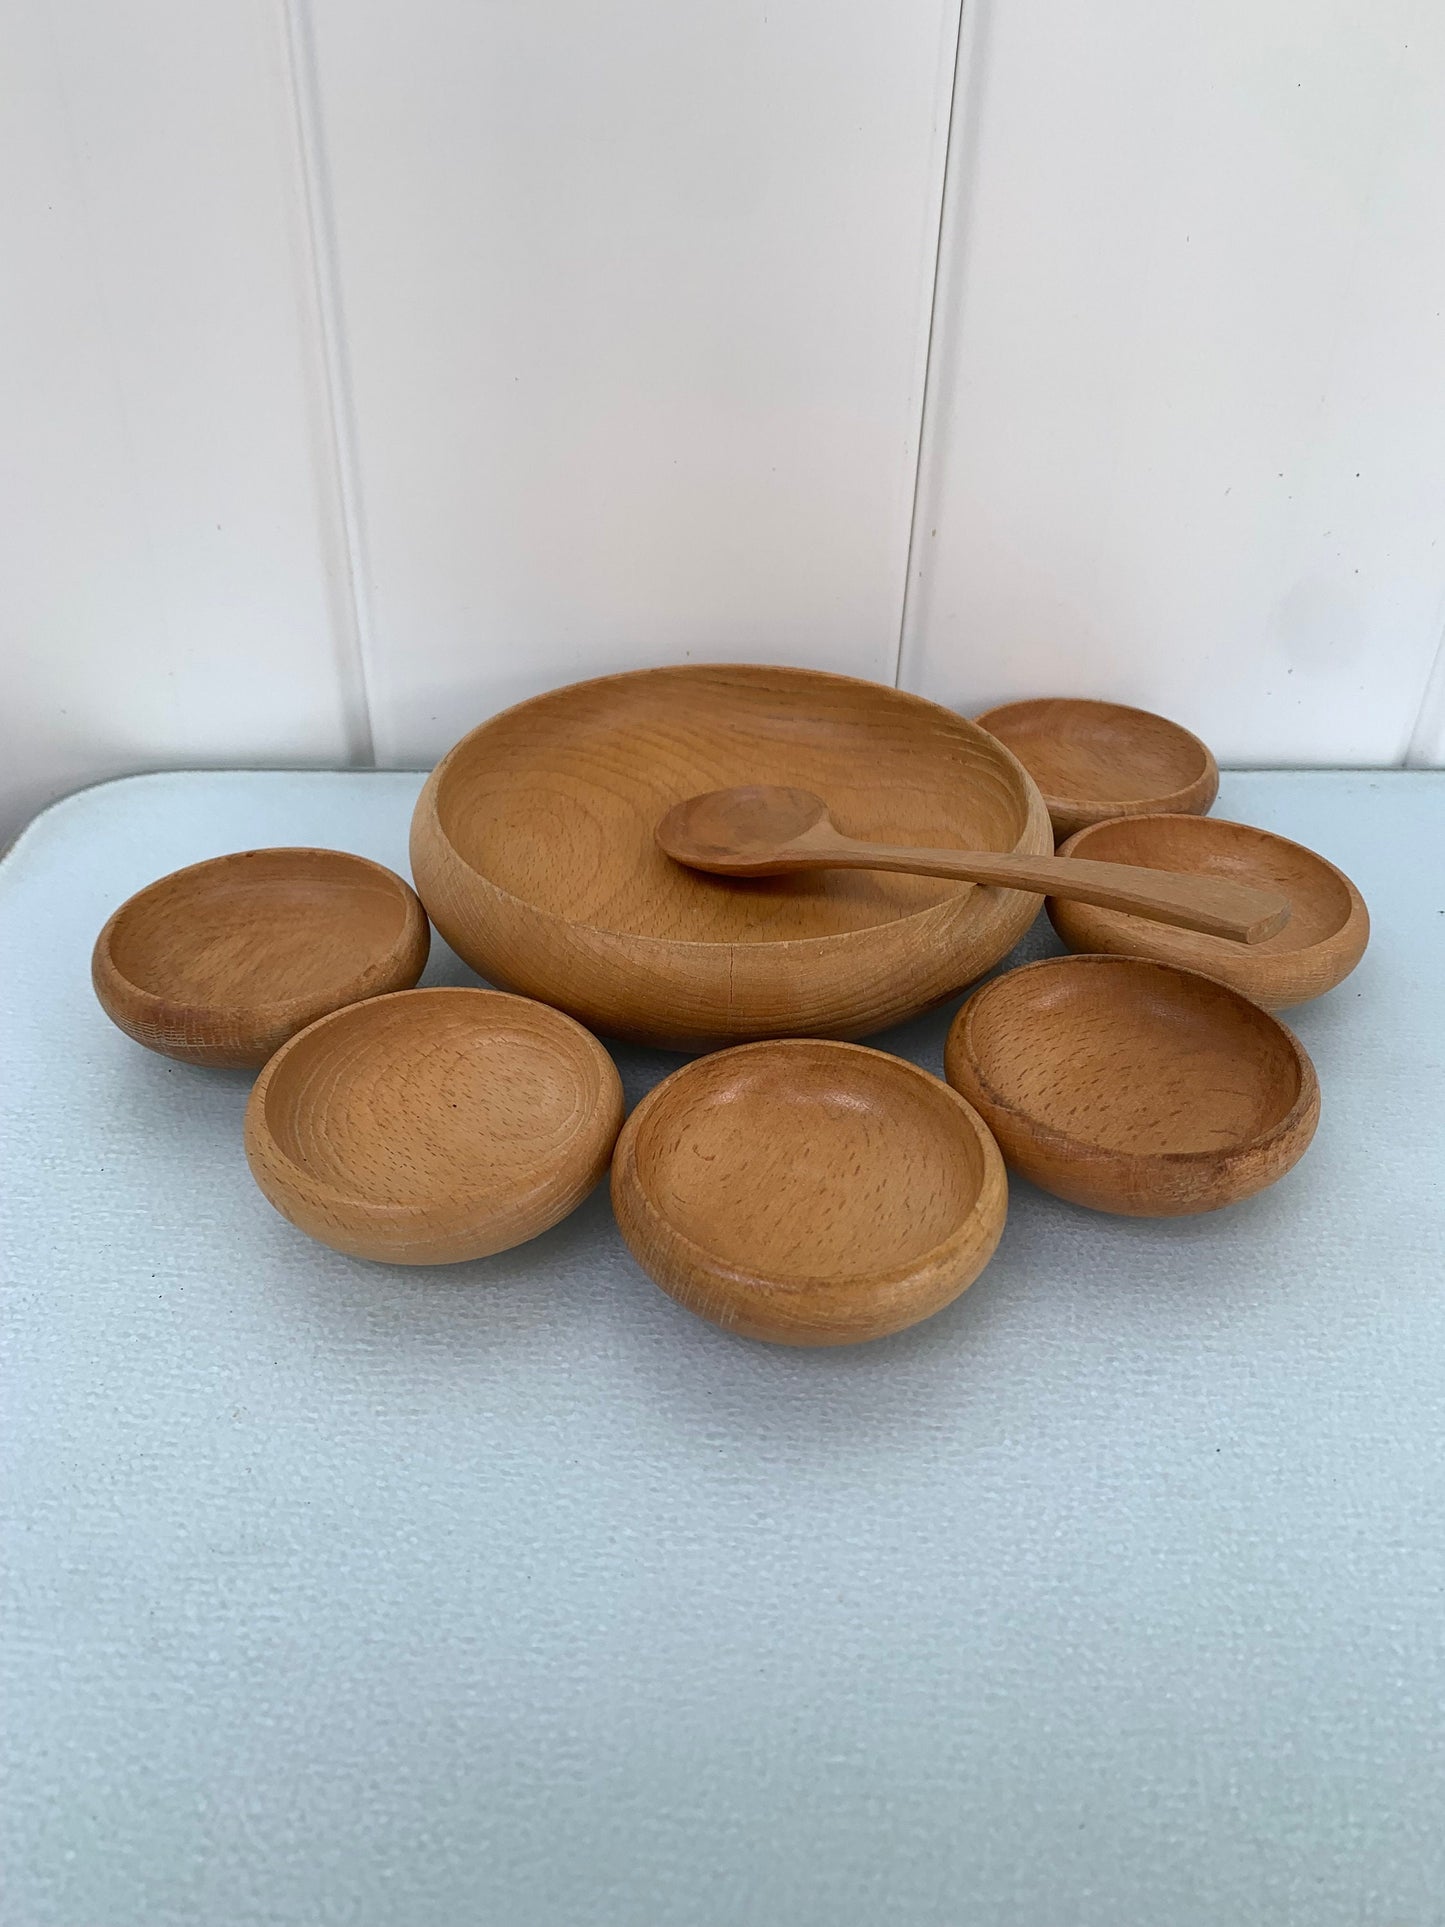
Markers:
<point>789,1184</point>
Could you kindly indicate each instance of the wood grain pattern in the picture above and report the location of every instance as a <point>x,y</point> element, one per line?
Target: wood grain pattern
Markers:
<point>1324,939</point>
<point>1096,760</point>
<point>221,962</point>
<point>1133,1086</point>
<point>533,848</point>
<point>807,1192</point>
<point>433,1126</point>
<point>759,830</point>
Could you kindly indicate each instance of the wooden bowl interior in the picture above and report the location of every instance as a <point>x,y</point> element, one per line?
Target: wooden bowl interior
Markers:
<point>806,1161</point>
<point>1095,753</point>
<point>434,1095</point>
<point>1129,1056</point>
<point>1319,896</point>
<point>556,802</point>
<point>260,928</point>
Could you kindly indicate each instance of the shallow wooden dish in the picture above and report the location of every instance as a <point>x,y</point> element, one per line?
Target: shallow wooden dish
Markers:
<point>434,1125</point>
<point>807,1192</point>
<point>1134,1086</point>
<point>534,850</point>
<point>221,962</point>
<point>1096,760</point>
<point>1324,939</point>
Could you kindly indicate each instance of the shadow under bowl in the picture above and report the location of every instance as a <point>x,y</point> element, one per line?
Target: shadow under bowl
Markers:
<point>1324,939</point>
<point>809,1193</point>
<point>1094,760</point>
<point>1133,1086</point>
<point>221,962</point>
<point>433,1126</point>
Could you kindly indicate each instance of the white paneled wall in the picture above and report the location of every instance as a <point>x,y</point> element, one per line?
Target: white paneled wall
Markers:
<point>167,559</point>
<point>636,299</point>
<point>1186,441</point>
<point>1427,745</point>
<point>365,367</point>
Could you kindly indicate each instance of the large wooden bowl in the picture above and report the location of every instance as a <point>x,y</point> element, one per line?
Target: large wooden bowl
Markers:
<point>1324,939</point>
<point>533,849</point>
<point>808,1192</point>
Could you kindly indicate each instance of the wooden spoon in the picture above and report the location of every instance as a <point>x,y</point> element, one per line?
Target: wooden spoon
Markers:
<point>766,830</point>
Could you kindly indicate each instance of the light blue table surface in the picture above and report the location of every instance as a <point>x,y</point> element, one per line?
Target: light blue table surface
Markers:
<point>510,1593</point>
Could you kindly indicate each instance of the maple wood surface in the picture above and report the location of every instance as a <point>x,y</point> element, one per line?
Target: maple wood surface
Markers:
<point>1134,1086</point>
<point>808,1192</point>
<point>434,1125</point>
<point>1094,760</point>
<point>533,848</point>
<point>221,962</point>
<point>1324,939</point>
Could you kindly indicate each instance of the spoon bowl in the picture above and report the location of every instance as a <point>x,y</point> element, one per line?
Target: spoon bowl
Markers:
<point>740,832</point>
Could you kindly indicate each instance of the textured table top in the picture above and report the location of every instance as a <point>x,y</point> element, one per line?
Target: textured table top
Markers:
<point>511,1593</point>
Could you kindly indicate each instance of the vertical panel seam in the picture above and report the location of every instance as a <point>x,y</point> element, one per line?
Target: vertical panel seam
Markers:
<point>933,348</point>
<point>1427,737</point>
<point>350,599</point>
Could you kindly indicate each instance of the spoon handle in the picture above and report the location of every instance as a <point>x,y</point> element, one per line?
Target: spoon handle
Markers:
<point>1214,905</point>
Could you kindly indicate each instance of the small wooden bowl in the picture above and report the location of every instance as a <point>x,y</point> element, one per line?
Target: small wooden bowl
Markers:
<point>433,1126</point>
<point>220,963</point>
<point>1097,760</point>
<point>1133,1086</point>
<point>534,850</point>
<point>806,1192</point>
<point>1324,939</point>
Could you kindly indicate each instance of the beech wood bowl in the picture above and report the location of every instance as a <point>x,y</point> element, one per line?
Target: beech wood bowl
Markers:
<point>1133,1086</point>
<point>221,962</point>
<point>1324,939</point>
<point>1095,760</point>
<point>434,1125</point>
<point>807,1192</point>
<point>533,846</point>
